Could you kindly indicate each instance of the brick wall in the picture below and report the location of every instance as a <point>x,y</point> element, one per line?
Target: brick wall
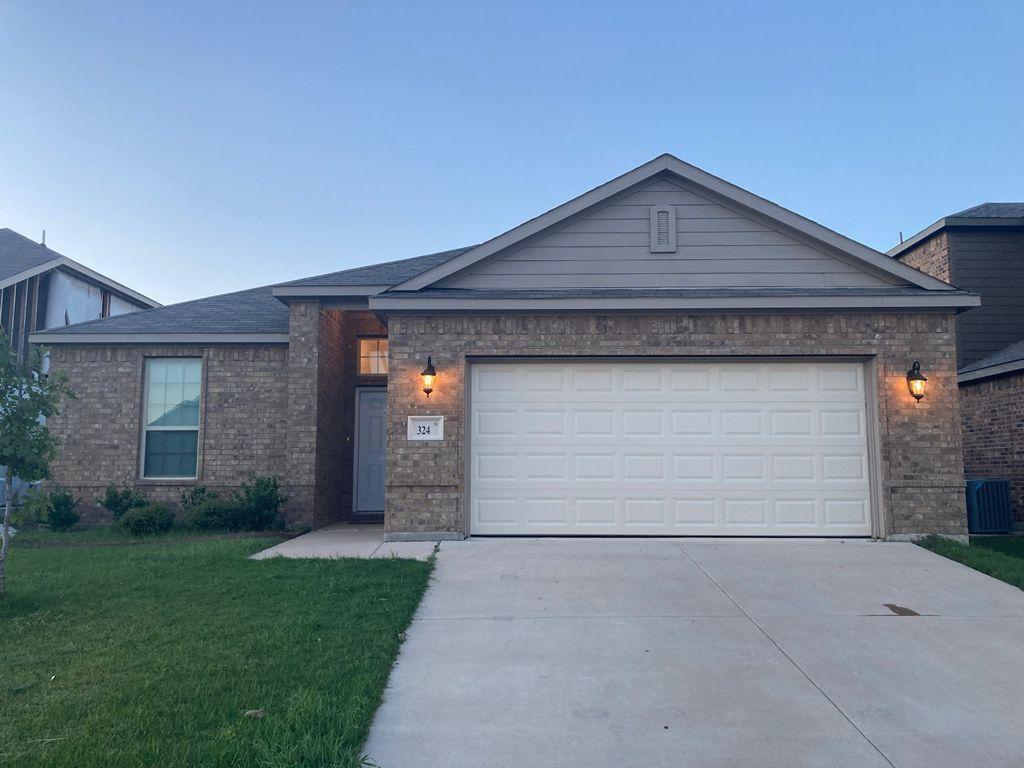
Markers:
<point>931,257</point>
<point>243,428</point>
<point>275,410</point>
<point>922,474</point>
<point>993,433</point>
<point>337,379</point>
<point>301,404</point>
<point>321,401</point>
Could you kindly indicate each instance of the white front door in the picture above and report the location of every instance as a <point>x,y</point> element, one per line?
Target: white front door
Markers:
<point>669,448</point>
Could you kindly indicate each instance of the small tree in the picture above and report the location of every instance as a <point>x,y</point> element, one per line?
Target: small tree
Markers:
<point>26,445</point>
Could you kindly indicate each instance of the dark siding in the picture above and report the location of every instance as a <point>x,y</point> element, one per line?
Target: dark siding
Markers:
<point>989,260</point>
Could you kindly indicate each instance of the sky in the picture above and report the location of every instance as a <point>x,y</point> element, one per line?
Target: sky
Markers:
<point>188,149</point>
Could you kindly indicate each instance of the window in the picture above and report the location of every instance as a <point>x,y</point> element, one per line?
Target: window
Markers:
<point>170,440</point>
<point>373,357</point>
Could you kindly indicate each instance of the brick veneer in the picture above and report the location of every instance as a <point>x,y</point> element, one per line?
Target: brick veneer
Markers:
<point>993,433</point>
<point>244,418</point>
<point>920,449</point>
<point>931,257</point>
<point>321,401</point>
<point>285,410</point>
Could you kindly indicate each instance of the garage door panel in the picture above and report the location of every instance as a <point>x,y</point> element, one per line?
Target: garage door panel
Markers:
<point>643,513</point>
<point>668,448</point>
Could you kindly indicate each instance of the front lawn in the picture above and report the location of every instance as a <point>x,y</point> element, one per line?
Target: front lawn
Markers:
<point>999,557</point>
<point>149,655</point>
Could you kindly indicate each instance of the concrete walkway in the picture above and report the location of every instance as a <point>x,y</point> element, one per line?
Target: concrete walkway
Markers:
<point>343,540</point>
<point>706,653</point>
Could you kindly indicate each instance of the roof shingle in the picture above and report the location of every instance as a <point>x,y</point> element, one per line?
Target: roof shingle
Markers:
<point>18,254</point>
<point>388,273</point>
<point>251,311</point>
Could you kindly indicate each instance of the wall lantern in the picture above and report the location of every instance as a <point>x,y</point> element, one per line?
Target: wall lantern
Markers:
<point>915,381</point>
<point>428,377</point>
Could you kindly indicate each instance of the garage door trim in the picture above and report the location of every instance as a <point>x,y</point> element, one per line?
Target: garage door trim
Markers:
<point>871,412</point>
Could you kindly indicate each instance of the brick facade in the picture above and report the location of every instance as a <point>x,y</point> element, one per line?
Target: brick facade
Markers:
<point>993,433</point>
<point>920,450</point>
<point>243,429</point>
<point>931,257</point>
<point>284,410</point>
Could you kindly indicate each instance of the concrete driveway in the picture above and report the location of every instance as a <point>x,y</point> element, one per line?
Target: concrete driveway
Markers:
<point>706,653</point>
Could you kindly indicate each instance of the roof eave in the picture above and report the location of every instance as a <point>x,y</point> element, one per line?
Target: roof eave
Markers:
<point>928,300</point>
<point>292,292</point>
<point>63,262</point>
<point>990,371</point>
<point>953,221</point>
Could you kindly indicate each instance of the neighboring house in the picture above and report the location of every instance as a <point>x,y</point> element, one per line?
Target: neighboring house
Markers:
<point>43,289</point>
<point>40,288</point>
<point>982,250</point>
<point>665,354</point>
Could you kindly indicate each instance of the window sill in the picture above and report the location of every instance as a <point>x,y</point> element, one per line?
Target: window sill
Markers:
<point>168,481</point>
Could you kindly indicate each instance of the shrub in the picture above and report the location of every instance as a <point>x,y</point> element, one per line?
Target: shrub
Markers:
<point>118,502</point>
<point>148,519</point>
<point>62,511</point>
<point>32,510</point>
<point>39,508</point>
<point>255,507</point>
<point>193,497</point>
<point>262,499</point>
<point>217,514</point>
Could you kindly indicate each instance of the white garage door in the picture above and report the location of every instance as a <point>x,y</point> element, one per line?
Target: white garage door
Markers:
<point>649,448</point>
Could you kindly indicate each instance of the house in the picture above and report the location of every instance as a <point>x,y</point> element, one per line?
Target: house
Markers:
<point>40,288</point>
<point>665,354</point>
<point>982,250</point>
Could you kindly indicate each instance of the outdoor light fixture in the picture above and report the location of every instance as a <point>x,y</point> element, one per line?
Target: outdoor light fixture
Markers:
<point>428,378</point>
<point>915,381</point>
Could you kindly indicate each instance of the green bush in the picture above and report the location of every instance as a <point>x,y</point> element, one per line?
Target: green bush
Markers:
<point>217,514</point>
<point>193,497</point>
<point>32,510</point>
<point>62,511</point>
<point>118,502</point>
<point>256,507</point>
<point>53,510</point>
<point>262,499</point>
<point>150,519</point>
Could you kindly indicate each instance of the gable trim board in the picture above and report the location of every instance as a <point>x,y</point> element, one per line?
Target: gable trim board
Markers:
<point>608,301</point>
<point>725,192</point>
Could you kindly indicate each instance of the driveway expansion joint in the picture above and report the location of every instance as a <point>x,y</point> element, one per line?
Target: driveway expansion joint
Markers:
<point>789,658</point>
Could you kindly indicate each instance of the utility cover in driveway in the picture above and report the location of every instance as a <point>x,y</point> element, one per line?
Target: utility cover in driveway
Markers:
<point>669,448</point>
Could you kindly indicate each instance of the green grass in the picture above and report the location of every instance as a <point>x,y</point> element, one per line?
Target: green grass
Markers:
<point>148,655</point>
<point>1001,558</point>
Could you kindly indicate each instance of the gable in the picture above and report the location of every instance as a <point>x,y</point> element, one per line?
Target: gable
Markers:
<point>717,244</point>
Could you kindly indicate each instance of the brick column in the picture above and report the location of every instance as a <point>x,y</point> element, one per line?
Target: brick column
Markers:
<point>303,358</point>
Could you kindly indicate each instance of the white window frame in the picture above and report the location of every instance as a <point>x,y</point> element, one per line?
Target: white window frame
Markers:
<point>359,355</point>
<point>146,429</point>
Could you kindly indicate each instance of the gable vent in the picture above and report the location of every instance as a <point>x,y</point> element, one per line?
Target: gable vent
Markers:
<point>663,229</point>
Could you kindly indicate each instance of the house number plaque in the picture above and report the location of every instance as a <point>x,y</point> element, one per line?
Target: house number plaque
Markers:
<point>426,428</point>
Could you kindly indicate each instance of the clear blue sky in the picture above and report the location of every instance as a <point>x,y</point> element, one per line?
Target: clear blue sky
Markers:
<point>188,149</point>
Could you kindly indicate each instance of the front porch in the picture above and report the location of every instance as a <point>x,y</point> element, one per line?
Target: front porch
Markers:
<point>337,405</point>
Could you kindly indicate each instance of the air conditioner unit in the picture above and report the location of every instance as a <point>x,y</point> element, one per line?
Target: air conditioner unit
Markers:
<point>989,509</point>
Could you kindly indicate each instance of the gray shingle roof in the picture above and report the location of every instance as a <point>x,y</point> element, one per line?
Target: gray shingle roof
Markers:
<point>992,211</point>
<point>1012,353</point>
<point>251,311</point>
<point>18,254</point>
<point>246,312</point>
<point>388,273</point>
